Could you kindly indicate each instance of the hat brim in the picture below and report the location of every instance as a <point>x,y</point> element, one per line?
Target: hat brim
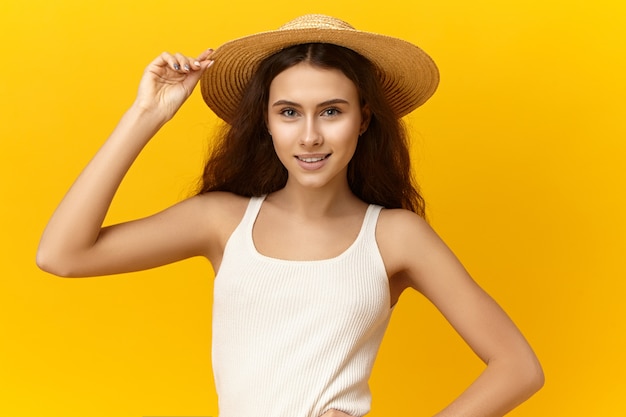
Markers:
<point>408,75</point>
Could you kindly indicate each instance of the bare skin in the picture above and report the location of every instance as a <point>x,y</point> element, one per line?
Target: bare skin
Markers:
<point>315,214</point>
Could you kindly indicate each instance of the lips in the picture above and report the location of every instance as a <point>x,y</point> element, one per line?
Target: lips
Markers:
<point>312,162</point>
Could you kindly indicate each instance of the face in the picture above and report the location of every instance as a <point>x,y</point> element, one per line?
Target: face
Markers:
<point>315,119</point>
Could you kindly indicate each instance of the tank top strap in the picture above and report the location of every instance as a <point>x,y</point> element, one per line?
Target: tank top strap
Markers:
<point>370,221</point>
<point>252,211</point>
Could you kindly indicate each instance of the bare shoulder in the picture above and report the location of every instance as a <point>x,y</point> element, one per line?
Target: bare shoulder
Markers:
<point>223,210</point>
<point>397,227</point>
<point>391,219</point>
<point>405,240</point>
<point>225,203</point>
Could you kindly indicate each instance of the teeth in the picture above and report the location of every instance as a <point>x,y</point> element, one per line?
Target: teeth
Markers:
<point>310,159</point>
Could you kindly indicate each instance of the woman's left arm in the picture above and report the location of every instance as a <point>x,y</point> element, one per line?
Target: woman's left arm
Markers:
<point>421,260</point>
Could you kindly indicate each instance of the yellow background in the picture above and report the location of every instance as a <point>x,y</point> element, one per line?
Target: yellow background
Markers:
<point>520,154</point>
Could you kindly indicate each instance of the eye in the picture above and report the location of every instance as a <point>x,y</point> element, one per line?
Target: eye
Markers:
<point>332,111</point>
<point>288,112</point>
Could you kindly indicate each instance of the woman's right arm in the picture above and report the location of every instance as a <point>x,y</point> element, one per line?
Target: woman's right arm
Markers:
<point>74,242</point>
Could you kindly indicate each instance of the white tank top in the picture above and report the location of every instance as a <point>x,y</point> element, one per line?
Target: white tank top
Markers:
<point>297,338</point>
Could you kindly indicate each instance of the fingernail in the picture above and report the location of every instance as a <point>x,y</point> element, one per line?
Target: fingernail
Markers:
<point>187,67</point>
<point>176,67</point>
<point>210,63</point>
<point>196,63</point>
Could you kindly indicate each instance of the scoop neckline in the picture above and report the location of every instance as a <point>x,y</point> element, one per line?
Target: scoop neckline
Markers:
<point>339,256</point>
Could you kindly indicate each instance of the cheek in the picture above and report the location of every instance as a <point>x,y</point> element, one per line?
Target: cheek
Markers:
<point>351,126</point>
<point>282,132</point>
<point>282,147</point>
<point>346,133</point>
<point>283,138</point>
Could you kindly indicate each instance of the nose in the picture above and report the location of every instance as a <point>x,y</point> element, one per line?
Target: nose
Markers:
<point>311,137</point>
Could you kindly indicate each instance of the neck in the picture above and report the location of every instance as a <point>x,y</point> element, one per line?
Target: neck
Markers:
<point>315,202</point>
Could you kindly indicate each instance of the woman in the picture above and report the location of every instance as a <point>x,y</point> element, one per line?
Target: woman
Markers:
<point>307,213</point>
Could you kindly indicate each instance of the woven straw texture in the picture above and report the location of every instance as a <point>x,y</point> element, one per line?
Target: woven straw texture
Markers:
<point>408,75</point>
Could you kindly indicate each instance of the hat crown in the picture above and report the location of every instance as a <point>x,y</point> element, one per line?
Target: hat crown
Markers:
<point>316,21</point>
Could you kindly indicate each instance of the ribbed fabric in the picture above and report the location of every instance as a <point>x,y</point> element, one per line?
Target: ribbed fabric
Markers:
<point>297,338</point>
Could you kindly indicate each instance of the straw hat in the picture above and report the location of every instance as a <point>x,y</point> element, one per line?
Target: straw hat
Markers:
<point>408,75</point>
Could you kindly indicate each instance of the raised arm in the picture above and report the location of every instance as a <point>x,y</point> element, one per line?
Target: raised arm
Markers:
<point>419,259</point>
<point>74,242</point>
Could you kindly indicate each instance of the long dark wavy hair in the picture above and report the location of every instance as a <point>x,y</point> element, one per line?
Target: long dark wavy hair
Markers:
<point>243,160</point>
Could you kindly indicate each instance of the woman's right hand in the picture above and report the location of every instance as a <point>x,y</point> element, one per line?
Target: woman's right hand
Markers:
<point>168,81</point>
<point>75,243</point>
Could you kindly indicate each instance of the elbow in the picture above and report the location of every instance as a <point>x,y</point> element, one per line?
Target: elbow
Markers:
<point>523,375</point>
<point>537,379</point>
<point>531,376</point>
<point>52,264</point>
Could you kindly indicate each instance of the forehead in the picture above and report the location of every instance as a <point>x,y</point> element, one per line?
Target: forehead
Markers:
<point>304,82</point>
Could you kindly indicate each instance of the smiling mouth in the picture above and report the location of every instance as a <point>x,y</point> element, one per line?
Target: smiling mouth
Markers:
<point>311,159</point>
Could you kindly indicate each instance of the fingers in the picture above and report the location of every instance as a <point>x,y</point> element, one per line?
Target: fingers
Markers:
<point>205,55</point>
<point>180,63</point>
<point>335,413</point>
<point>184,64</point>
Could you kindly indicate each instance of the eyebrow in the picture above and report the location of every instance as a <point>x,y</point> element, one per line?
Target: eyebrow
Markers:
<point>322,104</point>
